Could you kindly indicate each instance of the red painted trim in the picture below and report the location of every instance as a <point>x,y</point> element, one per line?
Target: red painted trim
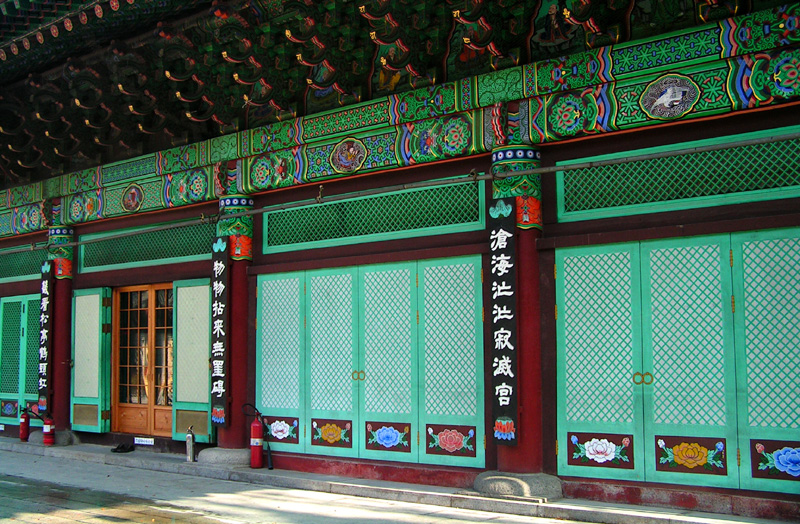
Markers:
<point>547,299</point>
<point>350,256</point>
<point>526,456</point>
<point>764,505</point>
<point>236,434</point>
<point>148,219</point>
<point>396,472</point>
<point>25,287</point>
<point>728,219</point>
<point>144,275</point>
<point>60,369</point>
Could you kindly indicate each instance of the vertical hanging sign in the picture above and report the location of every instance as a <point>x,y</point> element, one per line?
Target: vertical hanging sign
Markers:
<point>504,320</point>
<point>45,336</point>
<point>219,329</point>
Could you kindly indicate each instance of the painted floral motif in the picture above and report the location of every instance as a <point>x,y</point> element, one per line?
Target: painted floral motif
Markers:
<point>388,437</point>
<point>784,460</point>
<point>331,433</point>
<point>451,440</point>
<point>601,450</point>
<point>567,116</point>
<point>691,455</point>
<point>280,430</point>
<point>504,429</point>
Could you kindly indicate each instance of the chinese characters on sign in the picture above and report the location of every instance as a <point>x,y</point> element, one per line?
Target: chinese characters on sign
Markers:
<point>45,335</point>
<point>504,320</point>
<point>219,328</point>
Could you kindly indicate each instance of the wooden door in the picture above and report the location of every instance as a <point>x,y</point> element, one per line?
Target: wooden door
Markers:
<point>143,346</point>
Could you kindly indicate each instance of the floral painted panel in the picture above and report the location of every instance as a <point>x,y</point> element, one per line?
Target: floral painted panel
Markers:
<point>775,459</point>
<point>450,440</point>
<point>282,429</point>
<point>331,433</point>
<point>389,436</point>
<point>691,455</point>
<point>600,450</point>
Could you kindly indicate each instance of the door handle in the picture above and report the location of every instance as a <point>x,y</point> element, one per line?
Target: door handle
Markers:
<point>640,378</point>
<point>358,375</point>
<point>646,378</point>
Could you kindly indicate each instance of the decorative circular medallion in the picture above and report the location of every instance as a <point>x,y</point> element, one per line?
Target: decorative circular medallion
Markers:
<point>114,4</point>
<point>26,44</point>
<point>68,24</point>
<point>98,11</point>
<point>348,155</point>
<point>2,55</point>
<point>54,30</point>
<point>14,49</point>
<point>132,198</point>
<point>83,17</point>
<point>669,97</point>
<point>39,37</point>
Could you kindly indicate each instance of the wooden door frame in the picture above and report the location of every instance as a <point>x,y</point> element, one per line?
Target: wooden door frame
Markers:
<point>115,357</point>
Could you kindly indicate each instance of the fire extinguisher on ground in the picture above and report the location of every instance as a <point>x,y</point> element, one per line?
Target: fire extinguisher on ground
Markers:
<point>48,431</point>
<point>24,425</point>
<point>257,440</point>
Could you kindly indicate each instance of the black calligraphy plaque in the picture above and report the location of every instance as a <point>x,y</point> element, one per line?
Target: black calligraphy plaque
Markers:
<point>502,249</point>
<point>219,329</point>
<point>45,337</point>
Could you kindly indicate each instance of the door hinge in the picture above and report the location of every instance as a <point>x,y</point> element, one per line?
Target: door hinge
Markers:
<point>418,317</point>
<point>416,278</point>
<point>731,251</point>
<point>556,306</point>
<point>106,301</point>
<point>738,457</point>
<point>417,438</point>
<point>481,275</point>
<point>106,328</point>
<point>555,272</point>
<point>105,414</point>
<point>733,304</point>
<point>556,447</point>
<point>483,314</point>
<point>484,442</point>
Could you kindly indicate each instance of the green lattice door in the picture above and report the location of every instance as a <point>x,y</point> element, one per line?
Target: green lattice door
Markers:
<point>332,379</point>
<point>91,356</point>
<point>191,405</point>
<point>281,359</point>
<point>389,383</point>
<point>380,361</point>
<point>688,374</point>
<point>767,287</point>
<point>599,338</point>
<point>19,356</point>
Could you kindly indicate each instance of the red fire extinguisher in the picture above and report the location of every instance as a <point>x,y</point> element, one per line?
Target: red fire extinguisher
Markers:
<point>48,431</point>
<point>24,425</point>
<point>257,442</point>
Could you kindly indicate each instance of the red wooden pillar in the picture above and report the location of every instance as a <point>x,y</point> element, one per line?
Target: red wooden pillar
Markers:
<point>526,456</point>
<point>60,369</point>
<point>236,434</point>
<point>239,230</point>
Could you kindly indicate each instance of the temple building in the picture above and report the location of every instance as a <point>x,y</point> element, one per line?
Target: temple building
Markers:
<point>426,239</point>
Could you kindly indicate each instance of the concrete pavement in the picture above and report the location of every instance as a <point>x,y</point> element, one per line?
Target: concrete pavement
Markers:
<point>96,468</point>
